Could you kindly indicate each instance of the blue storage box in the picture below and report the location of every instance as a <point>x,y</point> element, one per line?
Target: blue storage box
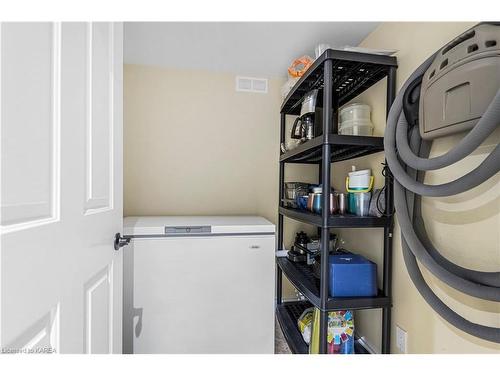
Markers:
<point>352,275</point>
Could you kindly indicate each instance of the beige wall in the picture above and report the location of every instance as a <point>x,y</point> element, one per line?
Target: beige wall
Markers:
<point>194,146</point>
<point>465,226</point>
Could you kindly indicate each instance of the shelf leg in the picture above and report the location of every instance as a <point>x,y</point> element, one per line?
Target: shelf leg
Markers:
<point>325,249</point>
<point>388,231</point>
<point>386,330</point>
<point>387,277</point>
<point>320,178</point>
<point>323,326</point>
<point>281,187</point>
<point>279,286</point>
<point>280,245</point>
<point>325,203</point>
<point>391,88</point>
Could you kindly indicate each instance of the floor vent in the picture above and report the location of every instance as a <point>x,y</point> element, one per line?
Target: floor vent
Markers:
<point>249,84</point>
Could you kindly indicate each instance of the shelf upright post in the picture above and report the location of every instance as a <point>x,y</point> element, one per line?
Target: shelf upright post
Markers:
<point>320,177</point>
<point>389,228</point>
<point>325,203</point>
<point>279,274</point>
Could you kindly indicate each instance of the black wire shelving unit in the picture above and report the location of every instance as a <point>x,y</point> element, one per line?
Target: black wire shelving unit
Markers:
<point>340,76</point>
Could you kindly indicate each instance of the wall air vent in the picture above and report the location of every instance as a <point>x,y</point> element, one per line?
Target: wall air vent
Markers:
<point>249,84</point>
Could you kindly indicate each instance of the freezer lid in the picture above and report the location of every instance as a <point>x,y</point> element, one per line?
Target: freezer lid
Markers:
<point>196,225</point>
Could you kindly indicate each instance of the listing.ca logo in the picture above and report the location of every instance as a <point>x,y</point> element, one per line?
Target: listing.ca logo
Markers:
<point>38,350</point>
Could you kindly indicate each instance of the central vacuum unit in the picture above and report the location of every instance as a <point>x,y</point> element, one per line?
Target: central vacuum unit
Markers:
<point>454,90</point>
<point>199,285</point>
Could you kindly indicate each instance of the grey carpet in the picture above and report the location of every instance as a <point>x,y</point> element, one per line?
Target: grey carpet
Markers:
<point>280,345</point>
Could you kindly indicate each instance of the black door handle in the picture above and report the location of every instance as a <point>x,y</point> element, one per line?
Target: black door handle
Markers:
<point>120,241</point>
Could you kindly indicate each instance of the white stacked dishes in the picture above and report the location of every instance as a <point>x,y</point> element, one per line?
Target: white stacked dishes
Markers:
<point>355,120</point>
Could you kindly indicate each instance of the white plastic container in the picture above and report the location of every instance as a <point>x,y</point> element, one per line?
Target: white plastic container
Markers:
<point>360,179</point>
<point>355,120</point>
<point>355,111</point>
<point>356,127</point>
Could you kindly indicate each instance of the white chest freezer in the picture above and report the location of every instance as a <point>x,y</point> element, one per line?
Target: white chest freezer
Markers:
<point>199,285</point>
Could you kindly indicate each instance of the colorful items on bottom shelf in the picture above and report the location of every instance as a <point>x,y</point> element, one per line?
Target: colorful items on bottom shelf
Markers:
<point>340,331</point>
<point>305,324</point>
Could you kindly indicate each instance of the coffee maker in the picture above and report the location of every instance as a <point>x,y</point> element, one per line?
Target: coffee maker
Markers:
<point>310,122</point>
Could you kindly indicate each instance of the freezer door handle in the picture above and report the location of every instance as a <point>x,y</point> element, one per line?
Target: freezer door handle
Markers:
<point>188,230</point>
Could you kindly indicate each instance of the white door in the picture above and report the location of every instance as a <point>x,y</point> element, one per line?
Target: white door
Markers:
<point>61,187</point>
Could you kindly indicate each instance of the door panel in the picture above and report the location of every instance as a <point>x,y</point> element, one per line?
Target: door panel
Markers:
<point>99,313</point>
<point>43,336</point>
<point>30,107</point>
<point>99,116</point>
<point>60,278</point>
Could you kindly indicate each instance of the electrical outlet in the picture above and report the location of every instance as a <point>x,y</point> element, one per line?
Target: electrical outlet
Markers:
<point>401,339</point>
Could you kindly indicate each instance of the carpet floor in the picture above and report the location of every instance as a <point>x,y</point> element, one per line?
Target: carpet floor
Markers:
<point>280,345</point>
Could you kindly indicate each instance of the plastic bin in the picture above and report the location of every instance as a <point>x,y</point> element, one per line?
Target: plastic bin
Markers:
<point>352,275</point>
<point>356,127</point>
<point>355,111</point>
<point>293,190</point>
<point>359,179</point>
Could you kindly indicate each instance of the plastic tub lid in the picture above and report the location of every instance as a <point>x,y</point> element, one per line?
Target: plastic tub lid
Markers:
<point>361,172</point>
<point>355,105</point>
<point>348,259</point>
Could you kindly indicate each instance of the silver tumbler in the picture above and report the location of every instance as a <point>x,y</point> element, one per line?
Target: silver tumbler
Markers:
<point>342,203</point>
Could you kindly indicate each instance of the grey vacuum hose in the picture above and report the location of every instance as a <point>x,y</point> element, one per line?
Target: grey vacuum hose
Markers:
<point>406,155</point>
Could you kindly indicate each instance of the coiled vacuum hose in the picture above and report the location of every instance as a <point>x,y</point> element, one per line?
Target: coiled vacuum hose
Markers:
<point>407,156</point>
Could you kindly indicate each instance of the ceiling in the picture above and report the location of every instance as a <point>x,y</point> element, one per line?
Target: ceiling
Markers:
<point>246,48</point>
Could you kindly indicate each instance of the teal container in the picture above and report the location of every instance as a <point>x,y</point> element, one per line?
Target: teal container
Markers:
<point>359,203</point>
<point>351,201</point>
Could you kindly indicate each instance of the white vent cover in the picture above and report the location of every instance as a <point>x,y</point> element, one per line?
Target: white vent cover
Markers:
<point>250,84</point>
